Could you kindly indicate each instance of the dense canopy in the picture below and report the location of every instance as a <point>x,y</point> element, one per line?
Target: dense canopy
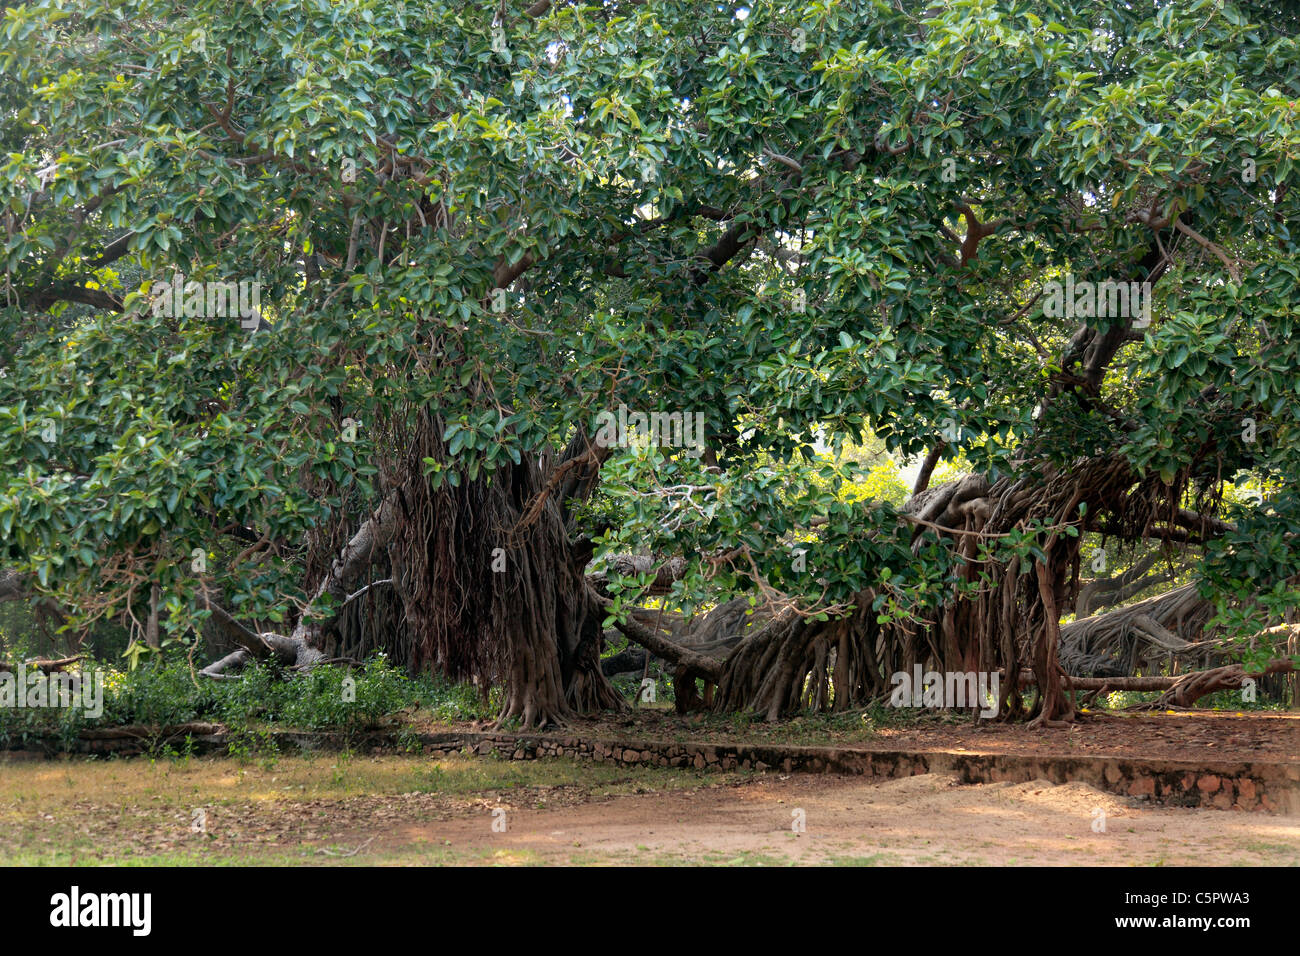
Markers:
<point>314,312</point>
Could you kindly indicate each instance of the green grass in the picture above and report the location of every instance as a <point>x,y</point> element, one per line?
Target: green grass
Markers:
<point>289,811</point>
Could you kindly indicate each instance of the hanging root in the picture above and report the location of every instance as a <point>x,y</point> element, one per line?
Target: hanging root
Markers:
<point>492,598</point>
<point>795,663</point>
<point>1012,625</point>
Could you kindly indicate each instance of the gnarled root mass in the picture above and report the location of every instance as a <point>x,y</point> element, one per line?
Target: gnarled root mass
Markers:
<point>1140,637</point>
<point>796,663</point>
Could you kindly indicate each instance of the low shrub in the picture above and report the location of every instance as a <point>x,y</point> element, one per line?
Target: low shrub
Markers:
<point>329,697</point>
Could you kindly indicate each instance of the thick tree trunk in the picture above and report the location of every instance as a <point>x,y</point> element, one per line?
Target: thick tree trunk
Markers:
<point>494,590</point>
<point>355,560</point>
<point>489,585</point>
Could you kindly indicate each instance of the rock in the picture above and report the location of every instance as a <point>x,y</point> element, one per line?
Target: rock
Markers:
<point>1142,787</point>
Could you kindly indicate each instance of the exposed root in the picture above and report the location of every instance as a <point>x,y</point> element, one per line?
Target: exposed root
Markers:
<point>1187,689</point>
<point>493,598</point>
<point>793,663</point>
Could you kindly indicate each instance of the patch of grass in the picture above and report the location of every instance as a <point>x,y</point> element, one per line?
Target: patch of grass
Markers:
<point>1280,848</point>
<point>875,859</point>
<point>745,858</point>
<point>815,729</point>
<point>91,812</point>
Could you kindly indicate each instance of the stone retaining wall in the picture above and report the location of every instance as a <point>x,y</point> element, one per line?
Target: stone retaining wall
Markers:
<point>1268,786</point>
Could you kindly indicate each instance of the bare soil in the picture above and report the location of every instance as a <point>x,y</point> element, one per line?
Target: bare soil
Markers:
<point>924,820</point>
<point>341,809</point>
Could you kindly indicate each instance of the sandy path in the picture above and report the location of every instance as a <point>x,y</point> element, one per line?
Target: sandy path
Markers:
<point>920,820</point>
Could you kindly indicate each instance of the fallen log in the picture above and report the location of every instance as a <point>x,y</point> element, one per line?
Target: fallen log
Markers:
<point>1103,684</point>
<point>48,667</point>
<point>1181,691</point>
<point>1191,687</point>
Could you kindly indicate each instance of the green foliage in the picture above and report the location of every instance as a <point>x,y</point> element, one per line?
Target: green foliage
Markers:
<point>167,695</point>
<point>631,690</point>
<point>666,178</point>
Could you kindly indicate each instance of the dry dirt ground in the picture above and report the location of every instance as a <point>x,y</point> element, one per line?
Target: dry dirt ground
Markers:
<point>411,810</point>
<point>925,820</point>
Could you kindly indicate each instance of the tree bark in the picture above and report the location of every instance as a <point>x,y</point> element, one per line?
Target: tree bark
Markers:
<point>494,589</point>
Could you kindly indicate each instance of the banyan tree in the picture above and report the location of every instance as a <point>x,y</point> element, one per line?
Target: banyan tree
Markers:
<point>1043,250</point>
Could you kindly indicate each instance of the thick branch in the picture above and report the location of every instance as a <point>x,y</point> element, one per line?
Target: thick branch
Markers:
<point>708,667</point>
<point>372,537</point>
<point>46,666</point>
